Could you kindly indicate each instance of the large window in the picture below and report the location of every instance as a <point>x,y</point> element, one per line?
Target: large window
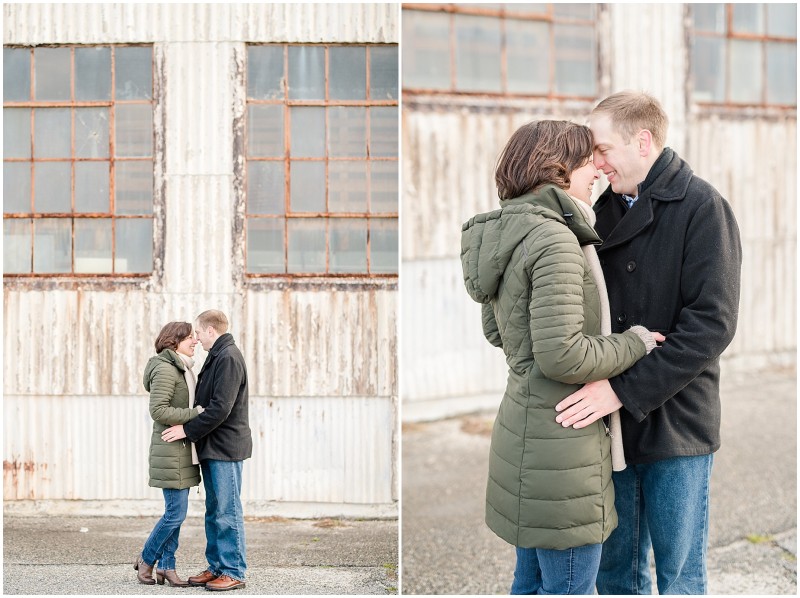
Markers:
<point>78,160</point>
<point>506,49</point>
<point>745,54</point>
<point>322,160</point>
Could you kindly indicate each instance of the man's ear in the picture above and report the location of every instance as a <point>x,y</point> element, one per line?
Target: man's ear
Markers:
<point>645,140</point>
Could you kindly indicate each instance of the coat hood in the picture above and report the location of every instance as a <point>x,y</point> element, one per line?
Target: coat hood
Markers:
<point>166,356</point>
<point>488,240</point>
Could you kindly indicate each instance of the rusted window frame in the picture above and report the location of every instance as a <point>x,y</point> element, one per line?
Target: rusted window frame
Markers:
<point>503,14</point>
<point>287,104</point>
<point>72,104</point>
<point>729,35</point>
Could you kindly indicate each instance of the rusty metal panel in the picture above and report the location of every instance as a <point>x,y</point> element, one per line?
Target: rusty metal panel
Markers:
<point>31,23</point>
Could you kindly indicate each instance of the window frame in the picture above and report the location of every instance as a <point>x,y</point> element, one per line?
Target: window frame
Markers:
<point>72,104</point>
<point>326,158</point>
<point>503,14</point>
<point>731,35</point>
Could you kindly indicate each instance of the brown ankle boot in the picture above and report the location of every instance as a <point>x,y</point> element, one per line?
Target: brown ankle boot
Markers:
<point>144,572</point>
<point>172,578</point>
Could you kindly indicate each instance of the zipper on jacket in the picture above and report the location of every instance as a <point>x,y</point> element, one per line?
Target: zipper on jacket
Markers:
<point>605,425</point>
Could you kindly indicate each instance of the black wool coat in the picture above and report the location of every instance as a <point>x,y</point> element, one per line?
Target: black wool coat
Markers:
<point>222,431</point>
<point>672,263</point>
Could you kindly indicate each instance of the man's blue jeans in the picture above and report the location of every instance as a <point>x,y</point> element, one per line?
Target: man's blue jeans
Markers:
<point>163,541</point>
<point>225,548</point>
<point>663,504</point>
<point>543,571</point>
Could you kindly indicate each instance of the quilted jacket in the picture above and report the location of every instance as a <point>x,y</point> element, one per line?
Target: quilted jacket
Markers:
<point>549,486</point>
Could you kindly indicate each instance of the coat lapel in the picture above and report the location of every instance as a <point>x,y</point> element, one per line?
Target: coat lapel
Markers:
<point>634,221</point>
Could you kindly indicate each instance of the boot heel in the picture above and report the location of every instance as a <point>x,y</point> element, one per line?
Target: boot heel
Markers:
<point>160,579</point>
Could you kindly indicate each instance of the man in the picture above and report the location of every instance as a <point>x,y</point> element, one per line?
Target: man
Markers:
<point>223,441</point>
<point>671,256</point>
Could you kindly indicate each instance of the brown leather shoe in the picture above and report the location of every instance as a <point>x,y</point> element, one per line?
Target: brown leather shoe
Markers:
<point>224,583</point>
<point>144,572</point>
<point>202,579</point>
<point>171,577</point>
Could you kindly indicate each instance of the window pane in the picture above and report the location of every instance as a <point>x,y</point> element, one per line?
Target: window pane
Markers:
<point>347,186</point>
<point>347,133</point>
<point>477,53</point>
<point>265,188</point>
<point>16,187</point>
<point>133,73</point>
<point>747,75</point>
<point>383,132</point>
<point>16,246</point>
<point>16,74</point>
<point>383,246</point>
<point>93,245</point>
<point>134,239</point>
<point>527,8</point>
<point>383,70</point>
<point>306,245</point>
<point>708,69</point>
<point>265,247</point>
<point>348,72</point>
<point>52,71</point>
<point>426,50</point>
<point>306,73</point>
<point>383,187</point>
<point>308,132</point>
<point>709,17</point>
<point>307,187</point>
<point>348,245</point>
<point>16,133</point>
<point>265,131</point>
<point>574,11</point>
<point>52,245</point>
<point>93,73</point>
<point>53,133</point>
<point>133,193</point>
<point>781,73</point>
<point>91,187</point>
<point>265,79</point>
<point>748,18</point>
<point>576,68</point>
<point>91,132</point>
<point>134,130</point>
<point>528,55</point>
<point>52,185</point>
<point>782,20</point>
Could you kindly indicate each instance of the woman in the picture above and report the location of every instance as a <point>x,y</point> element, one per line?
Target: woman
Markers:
<point>549,491</point>
<point>171,383</point>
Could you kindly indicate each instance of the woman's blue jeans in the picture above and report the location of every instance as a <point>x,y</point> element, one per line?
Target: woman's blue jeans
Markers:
<point>664,505</point>
<point>543,571</point>
<point>163,541</point>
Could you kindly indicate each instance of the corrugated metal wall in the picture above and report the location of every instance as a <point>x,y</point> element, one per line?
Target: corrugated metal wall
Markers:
<point>450,147</point>
<point>322,358</point>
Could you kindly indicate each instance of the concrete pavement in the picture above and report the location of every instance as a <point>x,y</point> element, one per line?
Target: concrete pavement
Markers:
<point>94,555</point>
<point>447,549</point>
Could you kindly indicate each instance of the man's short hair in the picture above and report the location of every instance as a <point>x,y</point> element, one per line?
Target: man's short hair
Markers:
<point>214,318</point>
<point>632,111</point>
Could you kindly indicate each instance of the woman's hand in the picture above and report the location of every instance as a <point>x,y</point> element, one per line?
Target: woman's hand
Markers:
<point>659,338</point>
<point>199,409</point>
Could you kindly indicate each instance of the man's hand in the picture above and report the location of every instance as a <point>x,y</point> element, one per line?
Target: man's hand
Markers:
<point>172,434</point>
<point>588,404</point>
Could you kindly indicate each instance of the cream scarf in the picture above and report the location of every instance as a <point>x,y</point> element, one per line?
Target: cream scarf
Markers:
<point>191,382</point>
<point>617,453</point>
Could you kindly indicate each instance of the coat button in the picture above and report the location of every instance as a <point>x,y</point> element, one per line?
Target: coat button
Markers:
<point>631,266</point>
<point>621,318</point>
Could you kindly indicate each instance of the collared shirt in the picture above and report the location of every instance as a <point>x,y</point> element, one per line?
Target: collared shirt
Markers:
<point>630,200</point>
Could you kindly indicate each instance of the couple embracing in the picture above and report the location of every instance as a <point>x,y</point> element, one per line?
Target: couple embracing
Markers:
<point>200,425</point>
<point>612,321</point>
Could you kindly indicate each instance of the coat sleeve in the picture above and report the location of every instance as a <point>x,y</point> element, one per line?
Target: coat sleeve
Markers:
<point>227,378</point>
<point>709,288</point>
<point>489,322</point>
<point>162,389</point>
<point>562,351</point>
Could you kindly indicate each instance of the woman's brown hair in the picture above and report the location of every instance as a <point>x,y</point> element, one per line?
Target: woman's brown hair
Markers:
<point>541,152</point>
<point>172,334</point>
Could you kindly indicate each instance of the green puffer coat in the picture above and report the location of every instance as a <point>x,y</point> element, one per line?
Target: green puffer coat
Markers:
<point>170,462</point>
<point>549,486</point>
